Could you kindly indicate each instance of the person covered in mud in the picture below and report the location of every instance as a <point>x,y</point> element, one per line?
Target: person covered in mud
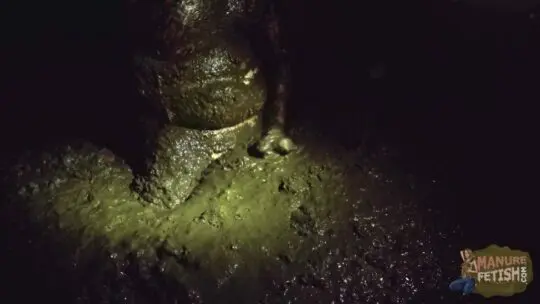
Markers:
<point>213,64</point>
<point>211,70</point>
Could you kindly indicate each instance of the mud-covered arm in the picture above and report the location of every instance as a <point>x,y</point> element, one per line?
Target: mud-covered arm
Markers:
<point>268,33</point>
<point>277,33</point>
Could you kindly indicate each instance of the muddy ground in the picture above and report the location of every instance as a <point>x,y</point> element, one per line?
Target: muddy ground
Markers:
<point>323,224</point>
<point>394,177</point>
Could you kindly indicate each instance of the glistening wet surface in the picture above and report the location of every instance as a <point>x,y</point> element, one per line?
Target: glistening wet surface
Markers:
<point>394,178</point>
<point>324,224</point>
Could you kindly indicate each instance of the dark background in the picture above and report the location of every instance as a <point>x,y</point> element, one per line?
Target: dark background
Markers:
<point>458,99</point>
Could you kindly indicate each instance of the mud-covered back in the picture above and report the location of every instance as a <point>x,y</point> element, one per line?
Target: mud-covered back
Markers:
<point>215,88</point>
<point>194,64</point>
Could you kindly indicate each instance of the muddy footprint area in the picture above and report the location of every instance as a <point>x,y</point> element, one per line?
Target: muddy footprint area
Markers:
<point>328,225</point>
<point>322,225</point>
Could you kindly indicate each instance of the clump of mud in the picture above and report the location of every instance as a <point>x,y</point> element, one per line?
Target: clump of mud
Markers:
<point>321,225</point>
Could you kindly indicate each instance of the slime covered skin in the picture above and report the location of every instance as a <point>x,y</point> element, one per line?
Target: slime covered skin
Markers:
<point>180,156</point>
<point>215,88</point>
<point>210,68</point>
<point>211,64</point>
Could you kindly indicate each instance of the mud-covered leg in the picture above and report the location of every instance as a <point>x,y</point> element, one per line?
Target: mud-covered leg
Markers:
<point>274,139</point>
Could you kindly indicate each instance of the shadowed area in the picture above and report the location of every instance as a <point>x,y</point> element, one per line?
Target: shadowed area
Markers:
<point>415,130</point>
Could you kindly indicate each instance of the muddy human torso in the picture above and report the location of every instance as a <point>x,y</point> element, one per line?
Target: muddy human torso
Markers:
<point>210,68</point>
<point>210,64</point>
